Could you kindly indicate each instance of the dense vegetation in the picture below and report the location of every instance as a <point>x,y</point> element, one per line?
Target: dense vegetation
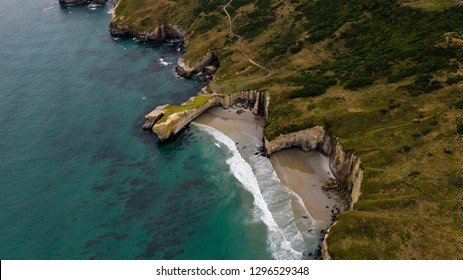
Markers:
<point>384,40</point>
<point>386,76</point>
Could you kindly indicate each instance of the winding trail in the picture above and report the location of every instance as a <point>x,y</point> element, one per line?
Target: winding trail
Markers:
<point>240,39</point>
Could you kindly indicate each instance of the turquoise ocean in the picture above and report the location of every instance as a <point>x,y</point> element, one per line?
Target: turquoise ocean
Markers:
<point>79,179</point>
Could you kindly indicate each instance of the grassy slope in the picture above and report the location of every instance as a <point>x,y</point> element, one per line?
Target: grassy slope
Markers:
<point>375,73</point>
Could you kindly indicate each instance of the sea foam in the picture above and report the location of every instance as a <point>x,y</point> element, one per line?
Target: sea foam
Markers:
<point>278,244</point>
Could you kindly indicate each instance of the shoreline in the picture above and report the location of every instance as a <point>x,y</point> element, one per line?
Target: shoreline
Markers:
<point>302,173</point>
<point>305,174</point>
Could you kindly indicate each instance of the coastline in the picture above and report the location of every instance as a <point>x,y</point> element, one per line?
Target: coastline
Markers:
<point>305,174</point>
<point>345,166</point>
<point>301,174</point>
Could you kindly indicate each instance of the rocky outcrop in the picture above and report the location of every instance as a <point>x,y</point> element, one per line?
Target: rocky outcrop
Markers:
<point>162,32</point>
<point>75,2</point>
<point>153,117</point>
<point>208,65</point>
<point>175,122</point>
<point>344,165</point>
<point>325,253</point>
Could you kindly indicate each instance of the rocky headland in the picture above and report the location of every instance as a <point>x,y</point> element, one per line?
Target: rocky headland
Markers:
<point>167,121</point>
<point>161,32</point>
<point>208,65</point>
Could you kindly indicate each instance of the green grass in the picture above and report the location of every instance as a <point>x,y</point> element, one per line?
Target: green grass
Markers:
<point>197,102</point>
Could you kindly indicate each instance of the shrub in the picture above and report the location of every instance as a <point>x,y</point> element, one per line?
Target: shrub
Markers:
<point>454,80</point>
<point>308,91</point>
<point>359,82</point>
<point>384,33</point>
<point>460,128</point>
<point>313,84</point>
<point>423,84</point>
<point>207,23</point>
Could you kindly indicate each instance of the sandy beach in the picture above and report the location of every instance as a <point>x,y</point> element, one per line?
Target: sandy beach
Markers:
<point>302,172</point>
<point>242,128</point>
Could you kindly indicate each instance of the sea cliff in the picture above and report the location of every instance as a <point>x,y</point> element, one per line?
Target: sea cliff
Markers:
<point>167,121</point>
<point>344,165</point>
<point>161,32</point>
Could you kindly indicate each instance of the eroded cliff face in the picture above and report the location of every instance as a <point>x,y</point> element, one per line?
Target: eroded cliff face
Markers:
<point>74,2</point>
<point>208,65</point>
<point>344,165</point>
<point>162,32</point>
<point>175,122</point>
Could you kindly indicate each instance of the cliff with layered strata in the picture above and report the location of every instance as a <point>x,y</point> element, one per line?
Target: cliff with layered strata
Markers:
<point>161,32</point>
<point>166,121</point>
<point>344,165</point>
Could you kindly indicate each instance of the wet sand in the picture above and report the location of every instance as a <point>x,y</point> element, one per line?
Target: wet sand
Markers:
<point>302,172</point>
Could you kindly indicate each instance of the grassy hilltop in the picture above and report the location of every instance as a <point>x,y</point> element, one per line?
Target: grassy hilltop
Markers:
<point>385,76</point>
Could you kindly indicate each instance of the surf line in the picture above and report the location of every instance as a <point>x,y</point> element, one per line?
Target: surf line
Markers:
<point>279,246</point>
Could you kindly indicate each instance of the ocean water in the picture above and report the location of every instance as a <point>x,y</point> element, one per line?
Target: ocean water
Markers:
<point>79,179</point>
